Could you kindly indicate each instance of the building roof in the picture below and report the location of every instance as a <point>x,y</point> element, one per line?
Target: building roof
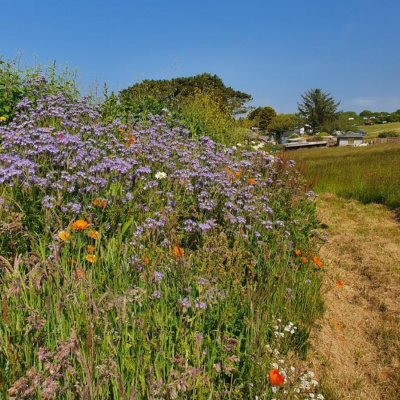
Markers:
<point>351,135</point>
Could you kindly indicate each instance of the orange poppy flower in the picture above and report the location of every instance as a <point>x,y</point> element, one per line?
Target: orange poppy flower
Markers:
<point>315,259</point>
<point>179,252</point>
<point>252,181</point>
<point>145,260</point>
<point>320,264</point>
<point>93,234</point>
<point>237,175</point>
<point>229,171</point>
<point>275,377</point>
<point>297,252</point>
<point>339,283</point>
<point>121,130</point>
<point>304,259</point>
<point>90,249</point>
<point>91,258</point>
<point>80,225</point>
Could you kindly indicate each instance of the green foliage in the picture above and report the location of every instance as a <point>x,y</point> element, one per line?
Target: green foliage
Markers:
<point>261,117</point>
<point>203,115</point>
<point>317,109</point>
<point>173,92</point>
<point>388,134</point>
<point>283,123</point>
<point>19,81</point>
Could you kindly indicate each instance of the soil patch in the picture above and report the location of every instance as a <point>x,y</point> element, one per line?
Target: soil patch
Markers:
<point>356,346</point>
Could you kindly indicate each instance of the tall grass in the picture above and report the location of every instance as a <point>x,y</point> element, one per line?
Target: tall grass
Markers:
<point>368,174</point>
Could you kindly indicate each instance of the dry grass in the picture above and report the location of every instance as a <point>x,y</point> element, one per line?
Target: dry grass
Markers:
<point>357,344</point>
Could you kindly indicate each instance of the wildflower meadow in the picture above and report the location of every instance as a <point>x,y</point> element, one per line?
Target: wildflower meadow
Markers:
<point>140,262</point>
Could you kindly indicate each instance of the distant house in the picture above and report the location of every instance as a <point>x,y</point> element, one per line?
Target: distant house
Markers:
<point>350,139</point>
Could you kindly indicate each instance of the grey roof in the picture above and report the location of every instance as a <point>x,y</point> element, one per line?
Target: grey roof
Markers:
<point>351,135</point>
<point>287,133</point>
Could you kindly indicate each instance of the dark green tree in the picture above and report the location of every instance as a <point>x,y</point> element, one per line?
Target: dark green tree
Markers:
<point>317,108</point>
<point>261,117</point>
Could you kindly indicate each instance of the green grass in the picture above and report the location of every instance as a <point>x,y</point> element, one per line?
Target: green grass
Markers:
<point>391,126</point>
<point>368,174</point>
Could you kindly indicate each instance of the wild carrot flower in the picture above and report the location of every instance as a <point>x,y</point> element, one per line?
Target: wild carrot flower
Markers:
<point>93,234</point>
<point>64,235</point>
<point>178,251</point>
<point>80,225</point>
<point>275,377</point>
<point>91,258</point>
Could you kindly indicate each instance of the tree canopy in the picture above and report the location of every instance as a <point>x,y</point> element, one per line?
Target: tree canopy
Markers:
<point>261,117</point>
<point>317,108</point>
<point>174,91</point>
<point>284,122</point>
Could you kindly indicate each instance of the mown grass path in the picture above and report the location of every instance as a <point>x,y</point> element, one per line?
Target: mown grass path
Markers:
<point>357,343</point>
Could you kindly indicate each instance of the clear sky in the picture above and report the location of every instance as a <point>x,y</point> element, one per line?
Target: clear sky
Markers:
<point>274,50</point>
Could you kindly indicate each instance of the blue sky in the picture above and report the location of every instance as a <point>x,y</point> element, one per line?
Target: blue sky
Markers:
<point>274,50</point>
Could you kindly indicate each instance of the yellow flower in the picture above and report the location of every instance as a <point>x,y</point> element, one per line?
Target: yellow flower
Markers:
<point>90,249</point>
<point>91,258</point>
<point>93,234</point>
<point>80,225</point>
<point>3,118</point>
<point>64,235</point>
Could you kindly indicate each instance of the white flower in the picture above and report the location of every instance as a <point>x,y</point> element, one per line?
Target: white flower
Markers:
<point>238,144</point>
<point>234,148</point>
<point>161,175</point>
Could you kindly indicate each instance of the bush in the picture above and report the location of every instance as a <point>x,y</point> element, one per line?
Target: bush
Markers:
<point>388,134</point>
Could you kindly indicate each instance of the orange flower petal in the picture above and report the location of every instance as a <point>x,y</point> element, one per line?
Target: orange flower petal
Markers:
<point>80,225</point>
<point>275,377</point>
<point>339,283</point>
<point>179,252</point>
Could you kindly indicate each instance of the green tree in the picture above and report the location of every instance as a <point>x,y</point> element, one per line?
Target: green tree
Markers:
<point>284,122</point>
<point>173,93</point>
<point>261,117</point>
<point>317,108</point>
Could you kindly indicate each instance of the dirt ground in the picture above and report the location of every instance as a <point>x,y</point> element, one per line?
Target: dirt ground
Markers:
<point>356,346</point>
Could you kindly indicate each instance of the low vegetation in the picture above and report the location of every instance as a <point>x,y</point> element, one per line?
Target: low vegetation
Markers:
<point>368,174</point>
<point>138,261</point>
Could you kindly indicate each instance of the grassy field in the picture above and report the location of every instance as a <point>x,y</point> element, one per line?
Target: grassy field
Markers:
<point>392,126</point>
<point>368,174</point>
